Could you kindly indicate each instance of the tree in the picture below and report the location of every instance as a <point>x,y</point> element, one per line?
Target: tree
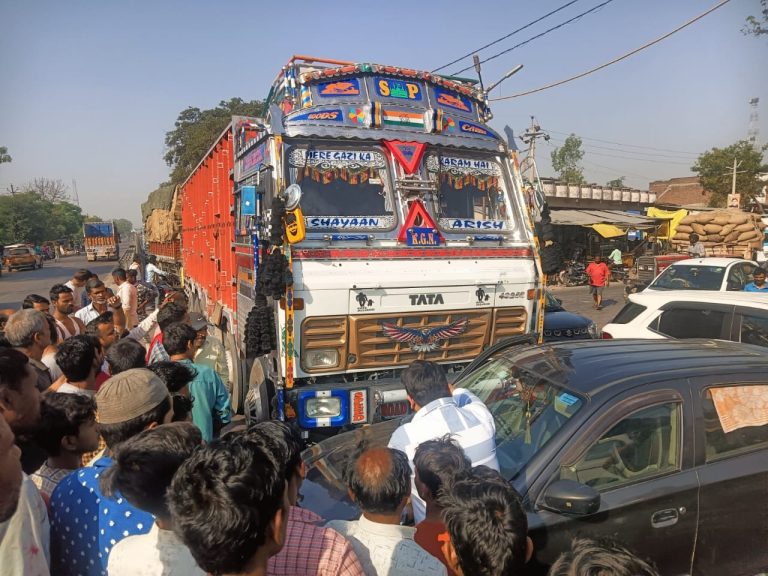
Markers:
<point>196,130</point>
<point>124,227</point>
<point>757,26</point>
<point>4,156</point>
<point>48,189</point>
<point>28,217</point>
<point>565,160</point>
<point>715,170</point>
<point>616,183</point>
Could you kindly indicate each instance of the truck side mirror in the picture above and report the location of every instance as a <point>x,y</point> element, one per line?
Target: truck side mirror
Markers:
<point>570,497</point>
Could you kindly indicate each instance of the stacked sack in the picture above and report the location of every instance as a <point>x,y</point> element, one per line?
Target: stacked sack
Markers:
<point>729,230</point>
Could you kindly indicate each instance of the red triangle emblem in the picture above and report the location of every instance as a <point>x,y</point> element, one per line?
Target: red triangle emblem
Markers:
<point>408,154</point>
<point>418,217</point>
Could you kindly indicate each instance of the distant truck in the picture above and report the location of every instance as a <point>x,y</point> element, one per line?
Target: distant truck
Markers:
<point>101,241</point>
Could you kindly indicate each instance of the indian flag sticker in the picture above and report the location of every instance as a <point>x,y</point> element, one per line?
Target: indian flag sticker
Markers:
<point>402,118</point>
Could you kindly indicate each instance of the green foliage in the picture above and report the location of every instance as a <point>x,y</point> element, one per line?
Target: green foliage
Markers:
<point>715,170</point>
<point>565,160</point>
<point>28,217</point>
<point>124,227</point>
<point>4,156</point>
<point>196,130</point>
<point>616,183</point>
<point>758,25</point>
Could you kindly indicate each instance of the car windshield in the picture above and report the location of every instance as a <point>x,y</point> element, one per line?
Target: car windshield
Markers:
<point>690,278</point>
<point>528,410</point>
<point>17,252</point>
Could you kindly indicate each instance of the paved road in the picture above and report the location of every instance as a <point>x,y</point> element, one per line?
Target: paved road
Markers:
<point>578,299</point>
<point>14,286</point>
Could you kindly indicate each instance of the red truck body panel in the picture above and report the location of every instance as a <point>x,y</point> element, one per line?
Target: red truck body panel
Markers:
<point>207,225</point>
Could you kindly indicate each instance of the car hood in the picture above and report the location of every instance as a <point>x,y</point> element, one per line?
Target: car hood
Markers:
<point>563,325</point>
<point>323,490</point>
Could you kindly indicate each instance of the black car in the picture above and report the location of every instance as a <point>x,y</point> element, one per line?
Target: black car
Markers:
<point>559,324</point>
<point>655,443</point>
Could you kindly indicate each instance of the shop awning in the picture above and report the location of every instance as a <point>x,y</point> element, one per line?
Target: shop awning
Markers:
<point>608,230</point>
<point>591,217</point>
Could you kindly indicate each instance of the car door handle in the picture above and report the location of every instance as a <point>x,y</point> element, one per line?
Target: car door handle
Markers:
<point>664,518</point>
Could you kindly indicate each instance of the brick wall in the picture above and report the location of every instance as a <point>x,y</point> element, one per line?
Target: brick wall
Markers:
<point>680,191</point>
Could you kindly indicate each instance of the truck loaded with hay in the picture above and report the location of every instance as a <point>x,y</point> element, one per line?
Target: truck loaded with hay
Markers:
<point>162,225</point>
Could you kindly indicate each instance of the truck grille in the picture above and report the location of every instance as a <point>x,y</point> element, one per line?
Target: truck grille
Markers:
<point>646,269</point>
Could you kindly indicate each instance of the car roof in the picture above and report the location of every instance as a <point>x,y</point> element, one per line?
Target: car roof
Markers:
<point>711,261</point>
<point>656,298</point>
<point>590,367</point>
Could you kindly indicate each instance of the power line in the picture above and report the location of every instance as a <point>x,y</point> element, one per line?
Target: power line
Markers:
<point>532,38</point>
<point>653,160</point>
<point>629,145</point>
<point>615,60</point>
<point>639,152</point>
<point>547,15</point>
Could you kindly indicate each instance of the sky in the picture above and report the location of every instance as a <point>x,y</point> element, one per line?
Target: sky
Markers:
<point>89,88</point>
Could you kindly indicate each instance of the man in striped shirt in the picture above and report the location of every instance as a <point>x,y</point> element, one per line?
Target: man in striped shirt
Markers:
<point>440,410</point>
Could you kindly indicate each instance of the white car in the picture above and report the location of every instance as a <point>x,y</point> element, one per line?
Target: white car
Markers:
<point>721,274</point>
<point>735,316</point>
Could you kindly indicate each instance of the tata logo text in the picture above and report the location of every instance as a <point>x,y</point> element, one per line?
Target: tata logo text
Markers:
<point>426,299</point>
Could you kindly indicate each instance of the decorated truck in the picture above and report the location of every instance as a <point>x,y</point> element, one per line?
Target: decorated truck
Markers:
<point>101,241</point>
<point>369,219</point>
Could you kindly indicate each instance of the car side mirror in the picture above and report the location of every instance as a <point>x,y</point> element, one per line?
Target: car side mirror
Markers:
<point>571,497</point>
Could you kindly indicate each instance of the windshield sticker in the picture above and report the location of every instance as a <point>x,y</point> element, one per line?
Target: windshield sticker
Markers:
<point>254,158</point>
<point>326,159</point>
<point>349,87</point>
<point>391,88</point>
<point>334,115</point>
<point>456,165</point>
<point>466,224</point>
<point>452,100</point>
<point>469,128</point>
<point>349,222</point>
<point>483,298</point>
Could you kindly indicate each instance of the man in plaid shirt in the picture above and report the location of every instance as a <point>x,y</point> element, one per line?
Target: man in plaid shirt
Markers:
<point>310,548</point>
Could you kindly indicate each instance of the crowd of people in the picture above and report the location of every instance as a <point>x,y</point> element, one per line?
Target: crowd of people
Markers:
<point>114,460</point>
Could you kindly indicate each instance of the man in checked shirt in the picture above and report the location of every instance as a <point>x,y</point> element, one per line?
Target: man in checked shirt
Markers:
<point>310,548</point>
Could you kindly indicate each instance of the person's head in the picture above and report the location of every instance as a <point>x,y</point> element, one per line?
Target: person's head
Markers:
<point>598,258</point>
<point>694,238</point>
<point>284,441</point>
<point>124,355</point>
<point>424,381</point>
<point>379,481</point>
<point>119,276</point>
<point>67,424</point>
<point>169,314</point>
<point>36,302</point>
<point>79,357</point>
<point>143,466</point>
<point>200,326</point>
<point>10,472</point>
<point>19,396</point>
<point>132,276</point>
<point>436,464</point>
<point>152,260</point>
<point>52,329</point>
<point>600,558</point>
<point>130,402</point>
<point>103,328</point>
<point>137,259</point>
<point>96,291</point>
<point>758,275</point>
<point>177,377</point>
<point>63,299</point>
<point>487,528</point>
<point>229,505</point>
<point>179,339</point>
<point>28,329</point>
<point>81,277</point>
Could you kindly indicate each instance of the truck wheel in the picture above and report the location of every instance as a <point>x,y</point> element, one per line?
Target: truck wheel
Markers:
<point>234,368</point>
<point>258,399</point>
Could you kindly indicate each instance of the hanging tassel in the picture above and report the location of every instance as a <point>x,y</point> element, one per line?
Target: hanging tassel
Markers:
<point>527,439</point>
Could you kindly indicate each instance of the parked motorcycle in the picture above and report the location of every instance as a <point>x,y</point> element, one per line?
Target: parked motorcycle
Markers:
<point>574,274</point>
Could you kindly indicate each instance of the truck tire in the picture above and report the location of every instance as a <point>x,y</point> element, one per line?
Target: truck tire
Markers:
<point>258,399</point>
<point>234,367</point>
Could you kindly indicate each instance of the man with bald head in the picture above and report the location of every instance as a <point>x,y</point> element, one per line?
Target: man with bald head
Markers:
<point>379,482</point>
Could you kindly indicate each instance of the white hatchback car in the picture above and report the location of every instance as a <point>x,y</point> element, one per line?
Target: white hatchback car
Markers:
<point>735,316</point>
<point>721,274</point>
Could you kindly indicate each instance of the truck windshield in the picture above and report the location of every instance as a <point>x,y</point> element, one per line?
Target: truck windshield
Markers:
<point>470,192</point>
<point>690,278</point>
<point>343,188</point>
<point>528,410</point>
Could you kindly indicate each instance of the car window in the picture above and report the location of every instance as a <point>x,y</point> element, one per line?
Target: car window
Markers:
<point>644,444</point>
<point>735,420</point>
<point>754,330</point>
<point>691,323</point>
<point>739,275</point>
<point>686,277</point>
<point>628,313</point>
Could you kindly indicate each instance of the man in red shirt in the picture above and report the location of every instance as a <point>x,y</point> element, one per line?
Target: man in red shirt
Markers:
<point>599,276</point>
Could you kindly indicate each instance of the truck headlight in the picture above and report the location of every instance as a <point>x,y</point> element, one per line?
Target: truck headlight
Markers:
<point>592,328</point>
<point>322,358</point>
<point>329,407</point>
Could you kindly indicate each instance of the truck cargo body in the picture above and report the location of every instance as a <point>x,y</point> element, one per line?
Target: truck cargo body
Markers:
<point>417,243</point>
<point>101,241</point>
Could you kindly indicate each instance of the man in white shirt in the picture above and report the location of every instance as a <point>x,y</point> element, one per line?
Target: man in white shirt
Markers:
<point>441,410</point>
<point>77,285</point>
<point>128,297</point>
<point>101,302</point>
<point>379,483</point>
<point>80,360</point>
<point>152,269</point>
<point>136,265</point>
